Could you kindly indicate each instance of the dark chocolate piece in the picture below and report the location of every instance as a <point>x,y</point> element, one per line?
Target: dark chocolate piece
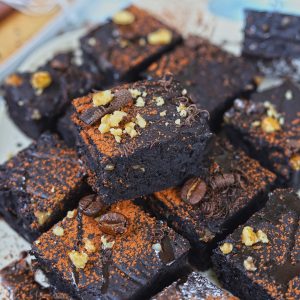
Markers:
<point>264,261</point>
<point>205,209</point>
<point>153,142</point>
<point>268,128</point>
<point>39,185</point>
<point>134,263</point>
<point>128,43</point>
<point>212,76</point>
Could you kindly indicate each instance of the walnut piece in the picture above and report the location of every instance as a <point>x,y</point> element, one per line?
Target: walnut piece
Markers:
<point>123,17</point>
<point>249,264</point>
<point>40,80</point>
<point>226,248</point>
<point>161,36</point>
<point>102,98</point>
<point>79,259</point>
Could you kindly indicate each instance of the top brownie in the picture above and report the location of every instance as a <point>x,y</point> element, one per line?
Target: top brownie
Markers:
<point>128,43</point>
<point>139,138</point>
<point>263,260</point>
<point>37,99</point>
<point>271,35</point>
<point>268,128</point>
<point>212,76</point>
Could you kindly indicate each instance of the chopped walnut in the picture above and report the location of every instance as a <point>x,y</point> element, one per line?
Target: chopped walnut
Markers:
<point>36,115</point>
<point>102,98</point>
<point>160,101</point>
<point>106,244</point>
<point>79,259</point>
<point>129,129</point>
<point>178,122</point>
<point>89,246</point>
<point>163,113</point>
<point>42,216</point>
<point>160,37</point>
<point>58,230</point>
<point>262,237</point>
<point>249,237</point>
<point>109,167</point>
<point>40,80</point>
<point>111,120</point>
<point>140,121</point>
<point>13,80</point>
<point>182,109</point>
<point>249,264</point>
<point>226,248</point>
<point>295,162</point>
<point>117,133</point>
<point>135,93</point>
<point>71,214</point>
<point>270,124</point>
<point>123,17</point>
<point>140,102</point>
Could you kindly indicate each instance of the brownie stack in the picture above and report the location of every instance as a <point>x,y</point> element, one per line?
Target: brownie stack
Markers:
<point>140,191</point>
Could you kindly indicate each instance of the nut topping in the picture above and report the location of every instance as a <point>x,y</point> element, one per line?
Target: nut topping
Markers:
<point>193,191</point>
<point>41,80</point>
<point>102,98</point>
<point>79,259</point>
<point>14,80</point>
<point>113,223</point>
<point>161,36</point>
<point>249,264</point>
<point>226,248</point>
<point>270,124</point>
<point>91,205</point>
<point>249,237</point>
<point>295,162</point>
<point>123,17</point>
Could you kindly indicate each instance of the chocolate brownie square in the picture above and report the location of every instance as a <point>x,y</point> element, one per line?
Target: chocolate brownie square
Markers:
<point>17,281</point>
<point>268,128</point>
<point>39,185</point>
<point>116,252</point>
<point>272,40</point>
<point>260,260</point>
<point>213,77</point>
<point>194,287</point>
<point>127,43</point>
<point>207,208</point>
<point>35,100</point>
<point>140,138</point>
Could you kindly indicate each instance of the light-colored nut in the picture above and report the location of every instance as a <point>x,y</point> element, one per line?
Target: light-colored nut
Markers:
<point>102,98</point>
<point>255,123</point>
<point>157,247</point>
<point>129,129</point>
<point>249,264</point>
<point>42,216</point>
<point>178,122</point>
<point>295,162</point>
<point>288,95</point>
<point>123,17</point>
<point>140,121</point>
<point>262,237</point>
<point>161,36</point>
<point>106,244</point>
<point>13,80</point>
<point>109,167</point>
<point>79,259</point>
<point>116,118</point>
<point>104,127</point>
<point>135,93</point>
<point>249,237</point>
<point>226,248</point>
<point>140,102</point>
<point>36,115</point>
<point>144,94</point>
<point>270,124</point>
<point>40,80</point>
<point>89,246</point>
<point>160,101</point>
<point>183,92</point>
<point>71,214</point>
<point>58,230</point>
<point>182,109</point>
<point>163,113</point>
<point>117,133</point>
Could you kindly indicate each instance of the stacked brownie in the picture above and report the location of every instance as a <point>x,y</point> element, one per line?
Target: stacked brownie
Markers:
<point>140,196</point>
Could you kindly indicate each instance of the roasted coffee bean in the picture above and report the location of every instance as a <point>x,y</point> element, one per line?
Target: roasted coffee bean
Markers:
<point>113,223</point>
<point>91,205</point>
<point>92,115</point>
<point>193,191</point>
<point>223,181</point>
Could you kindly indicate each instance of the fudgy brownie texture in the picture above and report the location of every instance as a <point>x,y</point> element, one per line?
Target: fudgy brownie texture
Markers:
<point>17,282</point>
<point>194,287</point>
<point>128,43</point>
<point>39,185</point>
<point>260,260</point>
<point>140,138</point>
<point>268,128</point>
<point>35,100</point>
<point>272,40</point>
<point>206,208</point>
<point>111,253</point>
<point>213,77</point>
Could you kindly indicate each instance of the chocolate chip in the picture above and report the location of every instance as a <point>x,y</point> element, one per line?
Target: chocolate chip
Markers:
<point>91,205</point>
<point>193,191</point>
<point>113,223</point>
<point>92,115</point>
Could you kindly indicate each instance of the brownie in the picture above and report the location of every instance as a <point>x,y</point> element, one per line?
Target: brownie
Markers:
<point>268,128</point>
<point>272,39</point>
<point>148,136</point>
<point>116,252</point>
<point>194,287</point>
<point>260,260</point>
<point>35,100</point>
<point>212,76</point>
<point>17,282</point>
<point>39,185</point>
<point>208,207</point>
<point>128,43</point>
